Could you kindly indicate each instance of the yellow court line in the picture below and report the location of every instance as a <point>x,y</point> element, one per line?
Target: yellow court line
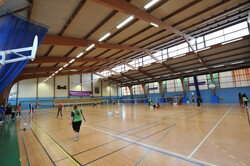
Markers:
<point>58,145</point>
<point>224,151</point>
<point>197,125</point>
<point>232,156</point>
<point>242,163</point>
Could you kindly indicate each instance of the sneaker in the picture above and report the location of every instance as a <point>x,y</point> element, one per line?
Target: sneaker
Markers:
<point>76,139</point>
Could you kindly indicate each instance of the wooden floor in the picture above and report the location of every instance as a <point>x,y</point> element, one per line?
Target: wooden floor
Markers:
<point>172,135</point>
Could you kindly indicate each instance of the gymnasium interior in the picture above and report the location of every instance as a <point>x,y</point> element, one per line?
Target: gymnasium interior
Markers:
<point>159,82</point>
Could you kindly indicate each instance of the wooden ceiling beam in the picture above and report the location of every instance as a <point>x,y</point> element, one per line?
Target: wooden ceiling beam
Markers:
<point>57,40</point>
<point>21,10</point>
<point>125,7</point>
<point>200,22</point>
<point>46,69</point>
<point>50,59</point>
<point>2,2</point>
<point>30,9</point>
<point>31,76</point>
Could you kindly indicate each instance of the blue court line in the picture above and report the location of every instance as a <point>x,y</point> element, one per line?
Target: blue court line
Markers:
<point>26,152</point>
<point>148,124</point>
<point>160,151</point>
<point>153,146</point>
<point>125,146</point>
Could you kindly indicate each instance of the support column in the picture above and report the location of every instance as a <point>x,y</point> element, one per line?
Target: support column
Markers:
<point>101,89</point>
<point>144,89</point>
<point>54,87</point>
<point>37,80</point>
<point>183,86</point>
<point>92,85</point>
<point>110,93</point>
<point>5,95</point>
<point>131,91</point>
<point>161,88</point>
<point>81,82</point>
<point>17,90</point>
<point>212,80</point>
<point>68,86</point>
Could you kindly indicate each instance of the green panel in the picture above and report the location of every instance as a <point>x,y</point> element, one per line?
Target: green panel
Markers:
<point>9,148</point>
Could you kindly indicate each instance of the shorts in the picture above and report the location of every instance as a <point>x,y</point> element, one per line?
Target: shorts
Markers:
<point>7,113</point>
<point>76,126</point>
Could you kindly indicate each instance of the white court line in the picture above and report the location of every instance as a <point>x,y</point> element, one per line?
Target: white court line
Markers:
<point>210,133</point>
<point>149,146</point>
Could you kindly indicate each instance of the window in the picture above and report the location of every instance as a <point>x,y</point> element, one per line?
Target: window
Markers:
<point>186,84</point>
<point>125,91</point>
<point>137,89</point>
<point>216,80</point>
<point>170,86</point>
<point>178,86</point>
<point>241,77</point>
<point>214,38</point>
<point>200,42</point>
<point>202,79</point>
<point>226,79</point>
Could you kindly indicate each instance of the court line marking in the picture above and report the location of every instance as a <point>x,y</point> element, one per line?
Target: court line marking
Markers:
<point>154,146</point>
<point>149,146</point>
<point>101,144</point>
<point>40,143</point>
<point>126,145</point>
<point>224,151</point>
<point>43,147</point>
<point>191,154</point>
<point>26,152</point>
<point>149,123</point>
<point>59,146</point>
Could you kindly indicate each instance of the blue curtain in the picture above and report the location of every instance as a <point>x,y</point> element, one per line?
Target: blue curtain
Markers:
<point>196,84</point>
<point>16,32</point>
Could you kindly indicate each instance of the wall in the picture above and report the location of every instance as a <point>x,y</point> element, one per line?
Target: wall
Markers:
<point>61,93</point>
<point>229,95</point>
<point>33,89</point>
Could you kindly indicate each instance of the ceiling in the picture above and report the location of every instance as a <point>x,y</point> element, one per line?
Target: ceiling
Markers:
<point>76,24</point>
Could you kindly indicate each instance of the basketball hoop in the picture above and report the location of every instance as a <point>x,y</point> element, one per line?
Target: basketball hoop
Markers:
<point>21,57</point>
<point>211,86</point>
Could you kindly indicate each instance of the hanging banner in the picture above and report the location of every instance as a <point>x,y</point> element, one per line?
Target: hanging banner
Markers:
<point>80,93</point>
<point>200,83</point>
<point>153,88</point>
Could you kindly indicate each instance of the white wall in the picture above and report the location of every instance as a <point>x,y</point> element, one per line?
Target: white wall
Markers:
<point>61,80</point>
<point>27,88</point>
<point>75,84</point>
<point>86,80</point>
<point>113,90</point>
<point>96,84</point>
<point>46,89</point>
<point>105,88</point>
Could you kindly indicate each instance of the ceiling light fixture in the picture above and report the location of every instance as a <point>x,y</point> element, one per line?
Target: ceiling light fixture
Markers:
<point>91,46</point>
<point>151,3</point>
<point>234,63</point>
<point>156,25</point>
<point>104,37</point>
<point>125,22</point>
<point>218,66</point>
<point>79,55</point>
<point>72,61</point>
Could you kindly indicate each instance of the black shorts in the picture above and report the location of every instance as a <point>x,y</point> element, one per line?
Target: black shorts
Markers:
<point>7,113</point>
<point>76,126</point>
